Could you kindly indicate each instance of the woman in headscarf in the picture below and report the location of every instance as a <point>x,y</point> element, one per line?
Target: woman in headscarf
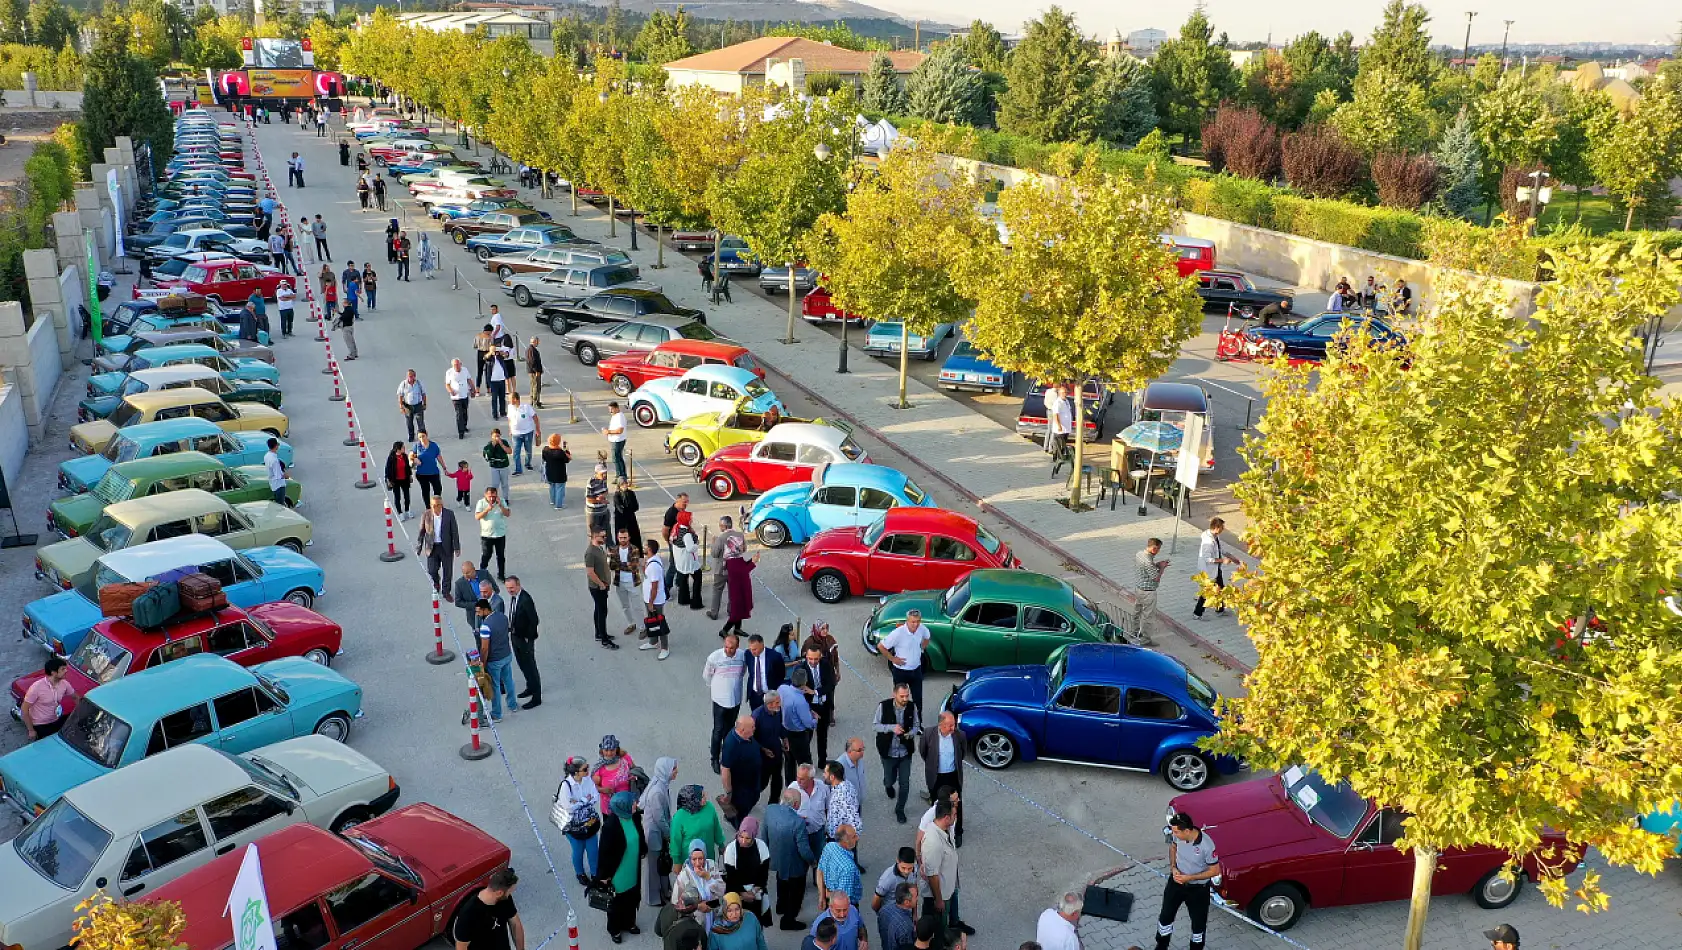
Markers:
<point>620,864</point>
<point>695,824</point>
<point>738,581</point>
<point>576,814</point>
<point>612,772</point>
<point>747,868</point>
<point>596,508</point>
<point>391,231</point>
<point>428,257</point>
<point>686,561</point>
<point>734,928</point>
<point>625,508</point>
<point>656,806</point>
<point>700,873</point>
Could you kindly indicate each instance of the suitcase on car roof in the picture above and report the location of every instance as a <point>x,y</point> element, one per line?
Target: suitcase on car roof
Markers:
<point>155,607</point>
<point>117,600</point>
<point>201,592</point>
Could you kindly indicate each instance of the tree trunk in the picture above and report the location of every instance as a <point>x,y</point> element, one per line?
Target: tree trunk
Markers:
<point>612,219</point>
<point>1424,868</point>
<point>792,303</point>
<point>1079,435</point>
<point>1579,204</point>
<point>1629,219</point>
<point>572,190</point>
<point>659,246</point>
<point>904,358</point>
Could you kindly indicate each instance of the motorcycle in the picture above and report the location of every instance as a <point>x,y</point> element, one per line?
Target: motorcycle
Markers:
<point>1234,345</point>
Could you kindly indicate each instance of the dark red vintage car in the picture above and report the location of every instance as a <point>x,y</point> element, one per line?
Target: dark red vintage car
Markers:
<point>116,647</point>
<point>672,358</point>
<point>819,307</point>
<point>393,883</point>
<point>228,281</point>
<point>1296,841</point>
<point>909,549</point>
<point>790,452</point>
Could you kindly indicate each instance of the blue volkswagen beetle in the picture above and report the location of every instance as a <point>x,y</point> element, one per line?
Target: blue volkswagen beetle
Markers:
<point>1308,340</point>
<point>1103,704</point>
<point>842,495</point>
<point>147,439</point>
<point>254,576</point>
<point>967,368</point>
<point>708,388</point>
<point>205,699</point>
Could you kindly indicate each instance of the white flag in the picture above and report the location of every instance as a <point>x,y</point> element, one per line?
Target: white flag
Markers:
<point>249,904</point>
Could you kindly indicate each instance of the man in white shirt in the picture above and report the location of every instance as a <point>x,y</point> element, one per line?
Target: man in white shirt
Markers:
<point>723,675</point>
<point>276,470</point>
<point>460,387</point>
<point>903,649</point>
<point>1057,925</point>
<point>1053,402</point>
<point>1211,552</point>
<point>654,595</point>
<point>615,433</point>
<point>295,170</point>
<point>522,421</point>
<point>497,383</point>
<point>284,298</point>
<point>411,401</point>
<point>814,804</point>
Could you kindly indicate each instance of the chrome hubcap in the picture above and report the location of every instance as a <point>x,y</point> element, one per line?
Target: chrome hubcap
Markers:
<point>773,534</point>
<point>1277,911</point>
<point>1499,888</point>
<point>993,750</point>
<point>688,454</point>
<point>333,729</point>
<point>317,656</point>
<point>828,588</point>
<point>1187,771</point>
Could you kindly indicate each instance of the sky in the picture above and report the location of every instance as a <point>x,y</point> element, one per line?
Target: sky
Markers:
<point>1534,21</point>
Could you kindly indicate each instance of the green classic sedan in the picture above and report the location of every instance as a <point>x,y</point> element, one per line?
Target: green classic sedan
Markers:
<point>71,516</point>
<point>995,617</point>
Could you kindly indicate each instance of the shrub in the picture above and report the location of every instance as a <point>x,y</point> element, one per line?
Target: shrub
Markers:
<point>1320,163</point>
<point>1240,141</point>
<point>822,84</point>
<point>1404,180</point>
<point>1381,230</point>
<point>1230,198</point>
<point>69,135</point>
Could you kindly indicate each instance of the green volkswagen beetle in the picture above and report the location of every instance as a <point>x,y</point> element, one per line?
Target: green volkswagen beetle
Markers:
<point>995,617</point>
<point>73,515</point>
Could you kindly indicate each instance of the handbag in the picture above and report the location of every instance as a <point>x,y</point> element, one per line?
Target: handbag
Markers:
<point>599,896</point>
<point>580,821</point>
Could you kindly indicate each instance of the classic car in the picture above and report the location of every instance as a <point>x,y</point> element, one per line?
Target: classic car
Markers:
<point>205,699</point>
<point>479,186</point>
<point>967,368</point>
<point>179,376</point>
<point>135,245</point>
<point>692,239</point>
<point>1235,292</point>
<point>1307,341</point>
<point>842,495</point>
<point>773,278</point>
<point>1030,419</point>
<point>612,306</point>
<point>790,452</point>
<point>127,524</point>
<point>156,310</point>
<point>141,478</point>
<point>575,282</point>
<point>1295,840</point>
<point>460,230</point>
<point>702,389</point>
<point>1172,403</point>
<point>696,437</point>
<point>153,323</point>
<point>131,831</point>
<point>123,360</point>
<point>1109,704</point>
<point>1666,822</point>
<point>1190,254</point>
<point>527,239</point>
<point>394,883</point>
<point>116,647</point>
<point>437,175</point>
<point>546,259</point>
<point>231,282</point>
<point>819,307</point>
<point>255,576</point>
<point>165,404</point>
<point>163,438</point>
<point>166,271</point>
<point>884,338</point>
<point>452,208</point>
<point>734,258</point>
<point>906,549</point>
<point>672,358</point>
<point>188,240</point>
<point>238,369</point>
<point>994,617</point>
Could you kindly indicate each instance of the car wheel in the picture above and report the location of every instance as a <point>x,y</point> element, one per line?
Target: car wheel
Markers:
<point>1279,906</point>
<point>319,656</point>
<point>995,750</point>
<point>303,597</point>
<point>621,384</point>
<point>522,296</point>
<point>458,236</point>
<point>1187,770</point>
<point>1496,890</point>
<point>504,271</point>
<point>292,544</point>
<point>645,415</point>
<point>688,453</point>
<point>829,586</point>
<point>587,354</point>
<point>772,533</point>
<point>335,727</point>
<point>721,486</point>
<point>483,254</point>
<point>349,819</point>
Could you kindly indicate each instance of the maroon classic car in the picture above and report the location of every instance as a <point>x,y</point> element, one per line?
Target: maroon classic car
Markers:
<point>1294,841</point>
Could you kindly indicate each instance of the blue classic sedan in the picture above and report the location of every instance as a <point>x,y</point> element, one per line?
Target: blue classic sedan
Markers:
<point>842,495</point>
<point>163,437</point>
<point>1308,340</point>
<point>235,369</point>
<point>205,699</point>
<point>884,340</point>
<point>1103,704</point>
<point>254,576</point>
<point>967,368</point>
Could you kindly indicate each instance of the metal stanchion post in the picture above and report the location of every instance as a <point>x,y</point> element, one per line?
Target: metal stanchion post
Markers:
<point>366,482</point>
<point>391,553</point>
<point>455,279</point>
<point>474,750</point>
<point>438,656</point>
<point>572,411</point>
<point>630,468</point>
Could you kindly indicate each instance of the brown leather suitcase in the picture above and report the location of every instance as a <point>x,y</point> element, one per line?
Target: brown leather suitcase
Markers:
<point>117,600</point>
<point>201,592</point>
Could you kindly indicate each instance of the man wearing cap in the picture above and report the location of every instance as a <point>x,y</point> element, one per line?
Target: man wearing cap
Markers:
<point>1195,865</point>
<point>1504,937</point>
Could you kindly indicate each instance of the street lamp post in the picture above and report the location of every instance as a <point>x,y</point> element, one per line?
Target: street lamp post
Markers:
<point>1506,29</point>
<point>1466,48</point>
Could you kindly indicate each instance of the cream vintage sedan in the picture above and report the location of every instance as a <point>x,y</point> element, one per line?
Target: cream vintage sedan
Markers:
<point>250,524</point>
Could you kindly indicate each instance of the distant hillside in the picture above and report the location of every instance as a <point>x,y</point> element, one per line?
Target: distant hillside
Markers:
<point>861,18</point>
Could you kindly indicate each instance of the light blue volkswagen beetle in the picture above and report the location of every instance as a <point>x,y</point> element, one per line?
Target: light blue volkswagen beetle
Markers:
<point>706,388</point>
<point>842,495</point>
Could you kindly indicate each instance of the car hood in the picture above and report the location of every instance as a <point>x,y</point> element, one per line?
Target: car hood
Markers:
<point>307,681</point>
<point>107,382</point>
<point>289,621</point>
<point>85,472</point>
<point>63,614</point>
<point>663,386</point>
<point>433,840</point>
<point>847,540</point>
<point>794,493</point>
<point>322,765</point>
<point>735,452</point>
<point>41,772</point>
<point>1249,818</point>
<point>706,421</point>
<point>625,361</point>
<point>26,893</point>
<point>268,514</point>
<point>895,606</point>
<point>93,434</point>
<point>260,412</point>
<point>77,511</point>
<point>1024,686</point>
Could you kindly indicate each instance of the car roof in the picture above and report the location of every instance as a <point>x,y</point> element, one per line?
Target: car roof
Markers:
<point>691,347</point>
<point>1219,272</point>
<point>300,862</point>
<point>1104,661</point>
<point>904,518</point>
<point>164,398</point>
<point>631,291</point>
<point>1007,584</point>
<point>155,557</point>
<point>195,231</point>
<point>864,475</point>
<point>1184,241</point>
<point>670,321</point>
<point>185,503</point>
<point>722,374</point>
<point>143,793</point>
<point>809,432</point>
<point>191,426</point>
<point>160,375</point>
<point>174,350</point>
<point>1182,397</point>
<point>167,466</point>
<point>184,335</point>
<point>162,689</point>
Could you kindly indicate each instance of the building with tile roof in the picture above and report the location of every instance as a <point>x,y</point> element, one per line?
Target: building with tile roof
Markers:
<point>779,60</point>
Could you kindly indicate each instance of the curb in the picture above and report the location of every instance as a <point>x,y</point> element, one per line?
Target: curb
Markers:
<point>1219,655</point>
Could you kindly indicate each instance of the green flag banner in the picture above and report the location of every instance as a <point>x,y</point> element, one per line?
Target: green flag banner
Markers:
<point>97,320</point>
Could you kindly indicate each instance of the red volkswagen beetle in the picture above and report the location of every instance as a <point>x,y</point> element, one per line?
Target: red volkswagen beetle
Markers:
<point>909,549</point>
<point>116,647</point>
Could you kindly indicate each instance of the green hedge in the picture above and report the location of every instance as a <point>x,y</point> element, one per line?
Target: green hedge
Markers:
<point>1230,198</point>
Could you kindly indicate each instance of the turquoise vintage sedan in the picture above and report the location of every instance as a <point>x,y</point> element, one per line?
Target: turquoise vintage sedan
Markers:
<point>238,369</point>
<point>163,438</point>
<point>204,699</point>
<point>884,340</point>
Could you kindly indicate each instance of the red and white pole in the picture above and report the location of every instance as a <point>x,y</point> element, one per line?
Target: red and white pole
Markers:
<point>438,656</point>
<point>362,447</point>
<point>338,394</point>
<point>350,423</point>
<point>474,749</point>
<point>572,929</point>
<point>330,369</point>
<point>391,553</point>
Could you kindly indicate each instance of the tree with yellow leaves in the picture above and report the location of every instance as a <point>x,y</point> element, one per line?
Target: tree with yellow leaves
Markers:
<point>107,924</point>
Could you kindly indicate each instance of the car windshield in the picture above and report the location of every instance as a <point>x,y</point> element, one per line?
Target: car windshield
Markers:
<point>387,861</point>
<point>62,845</point>
<point>965,348</point>
<point>114,487</point>
<point>1054,670</point>
<point>273,686</point>
<point>109,534</point>
<point>121,449</point>
<point>952,602</point>
<point>696,331</point>
<point>873,533</point>
<point>99,659</point>
<point>1335,808</point>
<point>913,494</point>
<point>1200,692</point>
<point>985,538</point>
<point>132,386</point>
<point>95,733</point>
<point>177,240</point>
<point>755,388</point>
<point>1084,607</point>
<point>851,450</point>
<point>734,244</point>
<point>124,414</point>
<point>267,774</point>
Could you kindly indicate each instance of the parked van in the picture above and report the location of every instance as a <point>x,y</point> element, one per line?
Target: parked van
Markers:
<point>1195,254</point>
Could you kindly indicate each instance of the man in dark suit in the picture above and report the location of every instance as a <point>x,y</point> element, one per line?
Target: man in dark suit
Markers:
<point>943,750</point>
<point>522,634</point>
<point>820,695</point>
<point>763,672</point>
<point>439,541</point>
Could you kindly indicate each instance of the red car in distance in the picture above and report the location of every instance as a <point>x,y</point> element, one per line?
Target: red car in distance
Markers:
<point>1296,841</point>
<point>819,307</point>
<point>231,281</point>
<point>672,358</point>
<point>393,883</point>
<point>116,647</point>
<point>909,549</point>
